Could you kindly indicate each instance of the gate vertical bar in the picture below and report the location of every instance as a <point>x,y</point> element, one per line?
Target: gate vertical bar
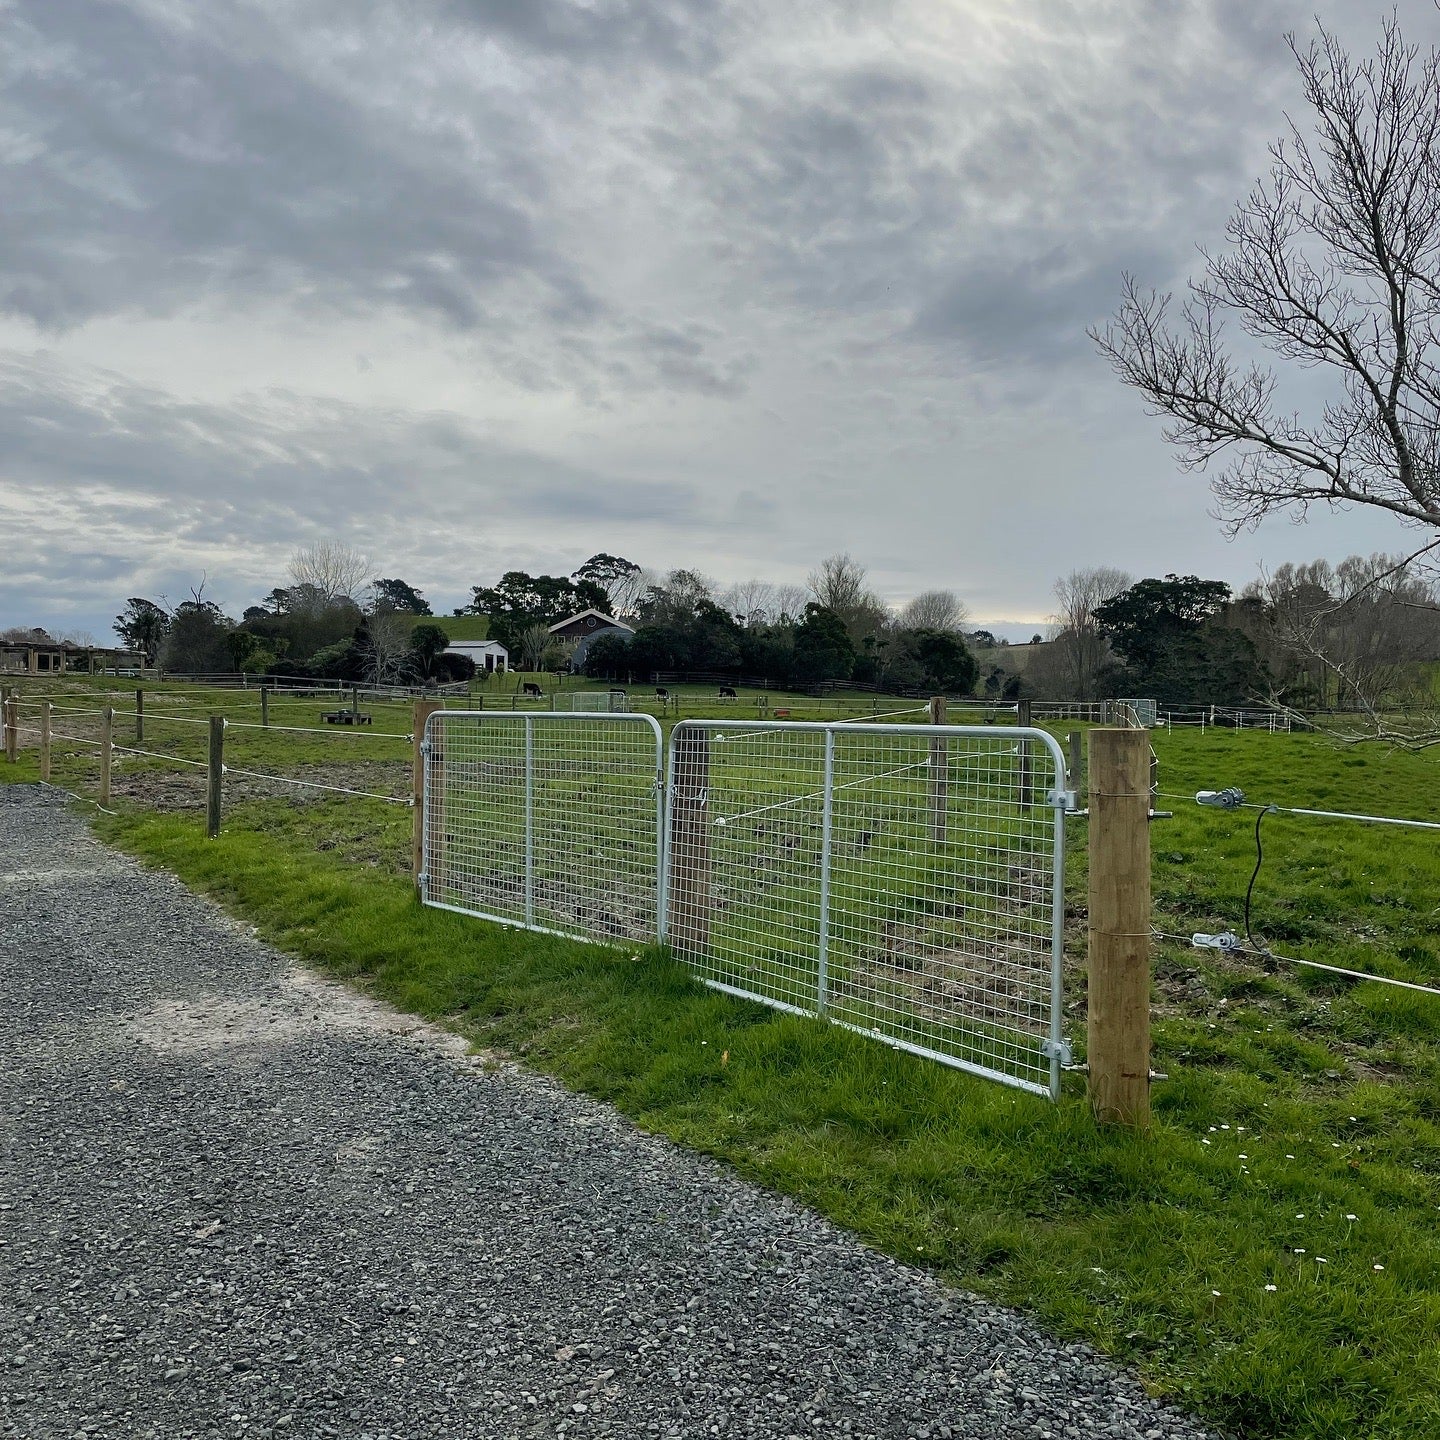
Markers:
<point>529,819</point>
<point>1058,1049</point>
<point>827,820</point>
<point>419,786</point>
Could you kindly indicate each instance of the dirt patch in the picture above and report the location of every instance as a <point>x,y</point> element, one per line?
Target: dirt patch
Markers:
<point>299,1004</point>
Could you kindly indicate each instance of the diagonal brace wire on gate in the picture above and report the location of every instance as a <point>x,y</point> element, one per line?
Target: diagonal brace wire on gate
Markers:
<point>820,794</point>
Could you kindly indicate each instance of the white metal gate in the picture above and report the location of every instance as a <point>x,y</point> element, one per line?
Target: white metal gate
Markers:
<point>550,820</point>
<point>905,881</point>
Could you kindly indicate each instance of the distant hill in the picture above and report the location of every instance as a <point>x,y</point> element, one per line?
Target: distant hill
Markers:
<point>457,627</point>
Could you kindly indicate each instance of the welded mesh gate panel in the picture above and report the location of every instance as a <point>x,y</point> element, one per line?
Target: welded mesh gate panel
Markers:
<point>546,820</point>
<point>906,881</point>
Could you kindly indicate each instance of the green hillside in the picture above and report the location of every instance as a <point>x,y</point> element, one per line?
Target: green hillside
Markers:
<point>458,627</point>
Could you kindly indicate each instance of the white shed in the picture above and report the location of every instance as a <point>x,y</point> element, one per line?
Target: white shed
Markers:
<point>488,655</point>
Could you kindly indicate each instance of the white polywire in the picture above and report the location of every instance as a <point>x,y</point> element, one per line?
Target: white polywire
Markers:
<point>316,785</point>
<point>1251,951</point>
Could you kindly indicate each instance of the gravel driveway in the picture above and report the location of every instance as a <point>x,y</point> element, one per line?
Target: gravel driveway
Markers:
<point>239,1200</point>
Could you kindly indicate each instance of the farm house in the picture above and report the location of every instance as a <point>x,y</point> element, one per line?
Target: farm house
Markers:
<point>581,629</point>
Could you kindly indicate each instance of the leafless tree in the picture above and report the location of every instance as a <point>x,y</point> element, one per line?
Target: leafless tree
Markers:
<point>1358,635</point>
<point>935,610</point>
<point>1079,649</point>
<point>751,602</point>
<point>1332,263</point>
<point>387,647</point>
<point>840,584</point>
<point>332,568</point>
<point>790,601</point>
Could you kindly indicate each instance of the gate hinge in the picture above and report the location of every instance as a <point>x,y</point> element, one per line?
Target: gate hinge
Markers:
<point>1052,1049</point>
<point>423,879</point>
<point>1060,799</point>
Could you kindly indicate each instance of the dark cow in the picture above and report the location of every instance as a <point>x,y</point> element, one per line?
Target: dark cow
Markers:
<point>662,694</point>
<point>530,688</point>
<point>726,693</point>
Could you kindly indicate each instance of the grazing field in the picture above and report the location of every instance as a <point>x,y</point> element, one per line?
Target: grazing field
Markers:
<point>1269,1252</point>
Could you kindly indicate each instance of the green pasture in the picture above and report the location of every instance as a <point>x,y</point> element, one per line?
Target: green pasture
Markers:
<point>1268,1253</point>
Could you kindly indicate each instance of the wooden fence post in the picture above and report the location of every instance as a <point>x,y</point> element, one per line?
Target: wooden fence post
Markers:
<point>1077,764</point>
<point>45,710</point>
<point>421,712</point>
<point>9,709</point>
<point>939,773</point>
<point>215,776</point>
<point>265,705</point>
<point>1022,720</point>
<point>107,750</point>
<point>688,904</point>
<point>139,717</point>
<point>1118,1023</point>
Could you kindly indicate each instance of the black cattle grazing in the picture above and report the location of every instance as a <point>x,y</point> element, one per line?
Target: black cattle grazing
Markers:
<point>726,693</point>
<point>530,688</point>
<point>661,694</point>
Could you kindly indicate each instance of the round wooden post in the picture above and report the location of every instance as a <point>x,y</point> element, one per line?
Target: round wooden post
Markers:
<point>107,743</point>
<point>265,705</point>
<point>215,776</point>
<point>45,710</point>
<point>422,711</point>
<point>8,710</point>
<point>1074,744</point>
<point>1118,1024</point>
<point>939,773</point>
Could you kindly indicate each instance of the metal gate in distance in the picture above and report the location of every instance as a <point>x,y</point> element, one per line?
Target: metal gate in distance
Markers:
<point>549,820</point>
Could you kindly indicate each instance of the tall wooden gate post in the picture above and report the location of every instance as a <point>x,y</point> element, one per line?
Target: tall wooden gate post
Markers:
<point>214,776</point>
<point>10,708</point>
<point>939,773</point>
<point>688,895</point>
<point>45,711</point>
<point>423,710</point>
<point>1118,1054</point>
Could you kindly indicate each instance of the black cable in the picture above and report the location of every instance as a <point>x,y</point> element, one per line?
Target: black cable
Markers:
<point>1259,945</point>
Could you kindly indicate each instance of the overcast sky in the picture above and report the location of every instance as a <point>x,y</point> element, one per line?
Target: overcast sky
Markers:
<point>475,285</point>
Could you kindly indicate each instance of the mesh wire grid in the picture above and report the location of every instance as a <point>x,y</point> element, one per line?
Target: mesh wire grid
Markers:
<point>547,820</point>
<point>904,881</point>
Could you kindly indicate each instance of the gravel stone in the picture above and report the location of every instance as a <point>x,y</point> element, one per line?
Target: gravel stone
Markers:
<point>237,1199</point>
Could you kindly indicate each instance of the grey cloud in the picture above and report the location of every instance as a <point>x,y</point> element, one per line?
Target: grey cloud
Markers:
<point>160,164</point>
<point>156,476</point>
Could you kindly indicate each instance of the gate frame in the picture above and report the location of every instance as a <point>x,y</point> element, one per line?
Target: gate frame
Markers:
<point>529,718</point>
<point>1060,799</point>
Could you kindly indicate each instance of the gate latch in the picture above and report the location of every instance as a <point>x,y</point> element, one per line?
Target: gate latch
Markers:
<point>1060,1049</point>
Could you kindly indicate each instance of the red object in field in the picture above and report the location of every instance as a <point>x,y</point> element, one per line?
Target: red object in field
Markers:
<point>782,714</point>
